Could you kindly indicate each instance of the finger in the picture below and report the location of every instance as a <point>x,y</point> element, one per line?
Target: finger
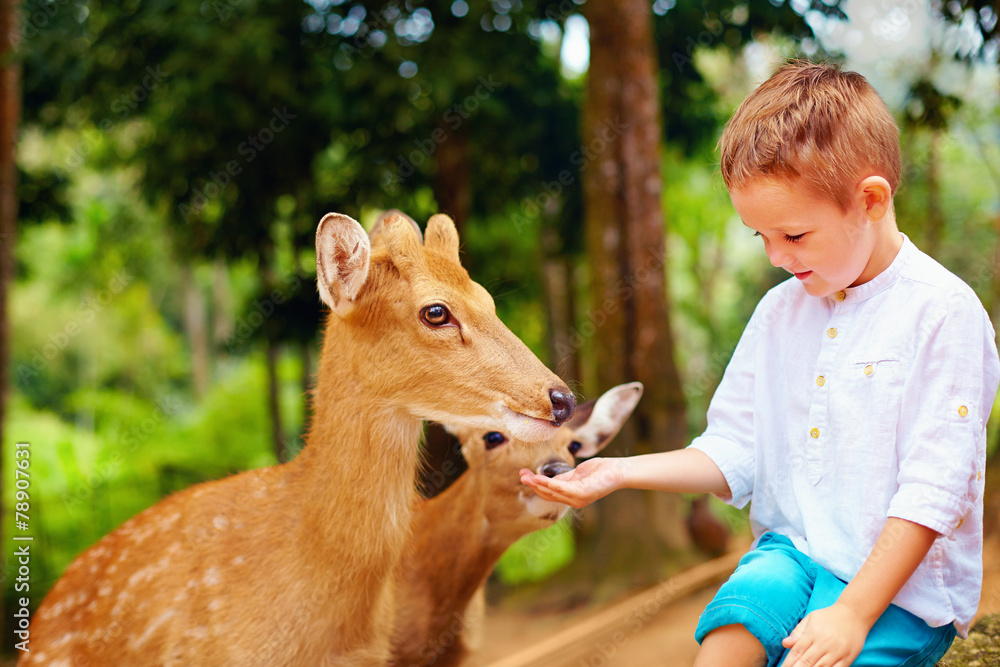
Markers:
<point>799,652</point>
<point>815,657</point>
<point>793,636</point>
<point>543,489</point>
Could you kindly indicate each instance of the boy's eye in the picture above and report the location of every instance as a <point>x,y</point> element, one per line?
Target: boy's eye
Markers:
<point>793,239</point>
<point>756,233</point>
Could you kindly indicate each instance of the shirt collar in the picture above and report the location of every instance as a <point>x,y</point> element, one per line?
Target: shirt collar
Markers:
<point>882,281</point>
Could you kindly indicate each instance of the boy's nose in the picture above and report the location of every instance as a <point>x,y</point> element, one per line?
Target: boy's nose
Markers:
<point>779,258</point>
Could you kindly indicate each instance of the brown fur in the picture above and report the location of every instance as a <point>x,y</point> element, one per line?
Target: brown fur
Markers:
<point>291,565</point>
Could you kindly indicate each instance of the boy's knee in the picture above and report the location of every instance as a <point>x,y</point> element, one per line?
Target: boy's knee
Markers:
<point>765,597</point>
<point>731,645</point>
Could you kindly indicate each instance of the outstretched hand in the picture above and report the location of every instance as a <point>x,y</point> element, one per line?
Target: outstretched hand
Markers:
<point>589,481</point>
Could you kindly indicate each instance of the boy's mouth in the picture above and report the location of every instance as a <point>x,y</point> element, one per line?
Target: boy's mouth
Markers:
<point>803,275</point>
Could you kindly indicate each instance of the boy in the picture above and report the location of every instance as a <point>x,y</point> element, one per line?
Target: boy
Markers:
<point>853,411</point>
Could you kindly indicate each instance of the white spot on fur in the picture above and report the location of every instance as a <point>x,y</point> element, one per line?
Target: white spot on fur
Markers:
<point>220,522</point>
<point>212,577</point>
<point>151,628</point>
<point>239,560</point>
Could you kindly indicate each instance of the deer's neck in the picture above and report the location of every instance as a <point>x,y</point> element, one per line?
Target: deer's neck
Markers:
<point>357,473</point>
<point>452,547</point>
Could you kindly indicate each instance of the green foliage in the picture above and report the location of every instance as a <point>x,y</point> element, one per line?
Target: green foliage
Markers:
<point>537,555</point>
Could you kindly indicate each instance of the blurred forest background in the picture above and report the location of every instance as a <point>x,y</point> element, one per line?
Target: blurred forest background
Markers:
<point>163,166</point>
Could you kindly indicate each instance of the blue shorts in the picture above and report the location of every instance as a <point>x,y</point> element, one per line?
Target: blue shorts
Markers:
<point>776,585</point>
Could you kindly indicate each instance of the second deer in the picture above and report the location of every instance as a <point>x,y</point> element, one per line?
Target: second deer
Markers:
<point>459,534</point>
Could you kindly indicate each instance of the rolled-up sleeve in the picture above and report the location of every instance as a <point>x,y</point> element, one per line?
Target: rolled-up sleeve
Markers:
<point>728,440</point>
<point>946,403</point>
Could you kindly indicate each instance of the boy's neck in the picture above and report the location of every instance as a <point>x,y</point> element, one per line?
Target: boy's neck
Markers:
<point>887,246</point>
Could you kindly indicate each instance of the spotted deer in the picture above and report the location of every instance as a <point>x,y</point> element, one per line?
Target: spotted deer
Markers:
<point>293,564</point>
<point>459,534</point>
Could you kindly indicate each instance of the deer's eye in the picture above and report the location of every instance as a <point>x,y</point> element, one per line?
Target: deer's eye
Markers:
<point>574,447</point>
<point>494,439</point>
<point>435,315</point>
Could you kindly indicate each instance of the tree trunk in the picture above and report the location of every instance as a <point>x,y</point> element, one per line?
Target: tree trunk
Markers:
<point>452,185</point>
<point>274,401</point>
<point>560,307</point>
<point>196,330</point>
<point>632,531</point>
<point>271,355</point>
<point>10,117</point>
<point>222,306</point>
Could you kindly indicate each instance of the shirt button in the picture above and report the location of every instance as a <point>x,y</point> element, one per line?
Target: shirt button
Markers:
<point>841,295</point>
<point>869,369</point>
<point>979,475</point>
<point>962,411</point>
<point>831,332</point>
<point>814,433</point>
<point>821,380</point>
<point>960,522</point>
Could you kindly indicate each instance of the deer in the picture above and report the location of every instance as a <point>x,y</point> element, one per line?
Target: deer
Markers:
<point>293,564</point>
<point>459,534</point>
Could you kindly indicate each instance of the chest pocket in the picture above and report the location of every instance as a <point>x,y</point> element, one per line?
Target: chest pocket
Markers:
<point>873,382</point>
<point>864,411</point>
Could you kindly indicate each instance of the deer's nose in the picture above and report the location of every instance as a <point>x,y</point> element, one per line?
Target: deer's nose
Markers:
<point>562,406</point>
<point>553,468</point>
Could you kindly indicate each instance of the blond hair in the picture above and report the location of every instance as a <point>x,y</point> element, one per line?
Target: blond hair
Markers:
<point>815,122</point>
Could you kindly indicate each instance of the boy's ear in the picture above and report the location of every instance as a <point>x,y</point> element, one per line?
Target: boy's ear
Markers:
<point>874,194</point>
<point>342,254</point>
<point>595,423</point>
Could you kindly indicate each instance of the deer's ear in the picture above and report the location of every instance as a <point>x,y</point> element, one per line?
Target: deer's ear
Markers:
<point>342,254</point>
<point>601,423</point>
<point>403,242</point>
<point>376,235</point>
<point>441,234</point>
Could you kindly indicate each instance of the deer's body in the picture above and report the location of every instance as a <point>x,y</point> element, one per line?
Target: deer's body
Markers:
<point>293,565</point>
<point>459,534</point>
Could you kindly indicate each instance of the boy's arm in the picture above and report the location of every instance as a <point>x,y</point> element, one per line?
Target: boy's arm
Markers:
<point>682,470</point>
<point>836,635</point>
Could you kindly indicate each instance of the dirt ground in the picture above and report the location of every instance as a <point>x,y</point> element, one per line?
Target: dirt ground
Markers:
<point>663,639</point>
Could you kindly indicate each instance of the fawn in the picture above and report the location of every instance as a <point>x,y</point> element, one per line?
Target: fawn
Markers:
<point>293,564</point>
<point>459,534</point>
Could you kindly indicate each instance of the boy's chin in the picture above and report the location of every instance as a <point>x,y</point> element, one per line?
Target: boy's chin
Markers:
<point>818,288</point>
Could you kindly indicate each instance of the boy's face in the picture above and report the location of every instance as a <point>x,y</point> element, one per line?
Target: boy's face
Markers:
<point>810,236</point>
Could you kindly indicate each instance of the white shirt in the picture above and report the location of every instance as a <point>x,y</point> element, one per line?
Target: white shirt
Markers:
<point>836,413</point>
